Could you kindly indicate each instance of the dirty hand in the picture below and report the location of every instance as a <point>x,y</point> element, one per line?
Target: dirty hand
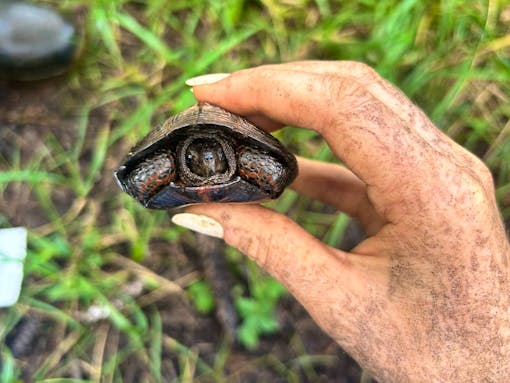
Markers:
<point>426,297</point>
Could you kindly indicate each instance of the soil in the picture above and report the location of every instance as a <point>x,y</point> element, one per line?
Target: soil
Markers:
<point>33,113</point>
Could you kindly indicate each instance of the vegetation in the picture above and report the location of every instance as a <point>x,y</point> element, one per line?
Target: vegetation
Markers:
<point>99,264</point>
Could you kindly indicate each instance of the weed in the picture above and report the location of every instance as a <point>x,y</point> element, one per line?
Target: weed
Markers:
<point>257,309</point>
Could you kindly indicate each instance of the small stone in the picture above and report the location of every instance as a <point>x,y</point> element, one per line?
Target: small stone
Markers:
<point>35,42</point>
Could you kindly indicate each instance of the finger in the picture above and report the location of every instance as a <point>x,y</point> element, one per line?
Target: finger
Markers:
<point>264,122</point>
<point>371,126</point>
<point>336,68</point>
<point>336,288</point>
<point>293,256</point>
<point>339,187</point>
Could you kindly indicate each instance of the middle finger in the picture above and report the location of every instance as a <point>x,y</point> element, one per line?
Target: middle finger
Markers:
<point>337,186</point>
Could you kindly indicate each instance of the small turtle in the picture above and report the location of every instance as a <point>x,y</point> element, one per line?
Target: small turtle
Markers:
<point>206,154</point>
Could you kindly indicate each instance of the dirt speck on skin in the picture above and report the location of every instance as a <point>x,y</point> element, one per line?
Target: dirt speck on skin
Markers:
<point>36,117</point>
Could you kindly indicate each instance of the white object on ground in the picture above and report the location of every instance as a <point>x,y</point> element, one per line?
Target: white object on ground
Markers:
<point>13,249</point>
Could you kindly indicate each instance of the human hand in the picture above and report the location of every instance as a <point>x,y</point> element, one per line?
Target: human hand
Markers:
<point>426,297</point>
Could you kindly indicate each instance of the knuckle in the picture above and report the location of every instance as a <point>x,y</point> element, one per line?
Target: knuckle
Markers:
<point>255,245</point>
<point>357,70</point>
<point>365,71</point>
<point>479,171</point>
<point>484,174</point>
<point>346,94</point>
<point>469,191</point>
<point>264,252</point>
<point>347,91</point>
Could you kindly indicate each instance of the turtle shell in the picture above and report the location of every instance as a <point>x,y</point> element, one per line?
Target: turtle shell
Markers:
<point>206,154</point>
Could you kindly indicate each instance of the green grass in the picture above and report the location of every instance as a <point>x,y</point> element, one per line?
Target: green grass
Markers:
<point>451,57</point>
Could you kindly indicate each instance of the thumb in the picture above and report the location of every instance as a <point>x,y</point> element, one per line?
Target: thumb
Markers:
<point>307,267</point>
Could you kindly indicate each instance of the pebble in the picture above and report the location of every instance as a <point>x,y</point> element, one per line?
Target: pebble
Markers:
<point>36,42</point>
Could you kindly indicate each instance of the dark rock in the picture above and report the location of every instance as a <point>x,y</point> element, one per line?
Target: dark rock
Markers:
<point>35,42</point>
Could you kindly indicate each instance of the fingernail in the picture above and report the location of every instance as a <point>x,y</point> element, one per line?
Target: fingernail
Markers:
<point>206,79</point>
<point>199,223</point>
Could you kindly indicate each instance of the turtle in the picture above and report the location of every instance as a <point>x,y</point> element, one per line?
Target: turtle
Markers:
<point>206,154</point>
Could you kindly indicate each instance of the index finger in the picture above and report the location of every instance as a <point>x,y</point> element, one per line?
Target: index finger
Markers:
<point>379,134</point>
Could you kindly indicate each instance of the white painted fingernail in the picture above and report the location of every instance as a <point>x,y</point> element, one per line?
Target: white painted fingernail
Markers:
<point>206,79</point>
<point>199,223</point>
<point>13,249</point>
